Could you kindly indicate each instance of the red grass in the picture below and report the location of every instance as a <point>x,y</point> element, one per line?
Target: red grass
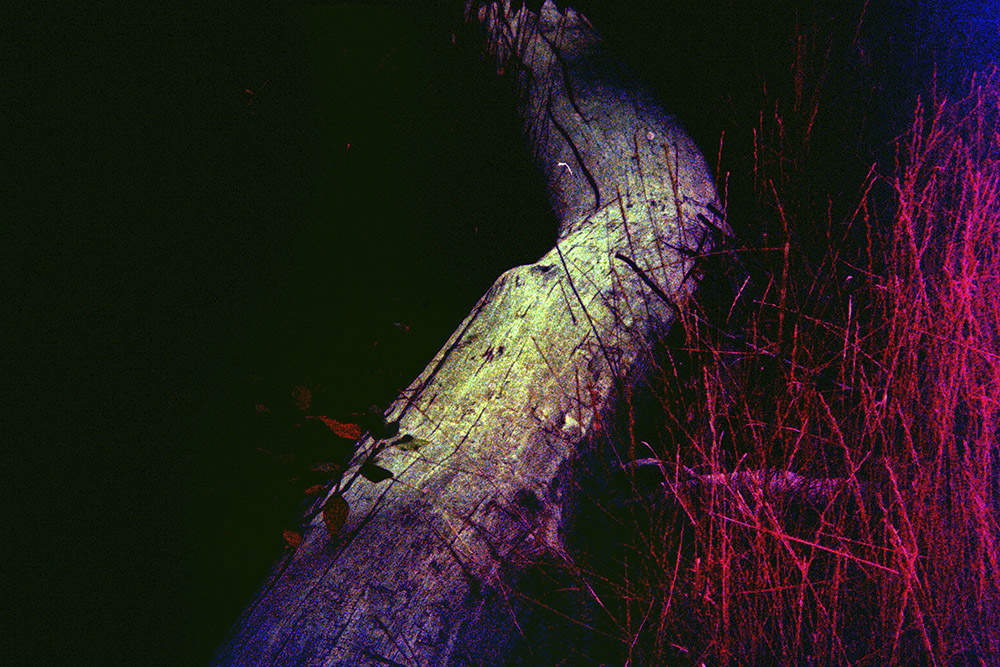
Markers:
<point>867,357</point>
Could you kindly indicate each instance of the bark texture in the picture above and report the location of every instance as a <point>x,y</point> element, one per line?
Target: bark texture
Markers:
<point>427,567</point>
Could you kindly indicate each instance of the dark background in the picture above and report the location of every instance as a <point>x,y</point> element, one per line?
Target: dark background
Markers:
<point>215,205</point>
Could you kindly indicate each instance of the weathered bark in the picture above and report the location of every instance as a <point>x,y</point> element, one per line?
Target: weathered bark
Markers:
<point>423,572</point>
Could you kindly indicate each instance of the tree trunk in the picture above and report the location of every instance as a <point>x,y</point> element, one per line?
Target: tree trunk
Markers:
<point>427,567</point>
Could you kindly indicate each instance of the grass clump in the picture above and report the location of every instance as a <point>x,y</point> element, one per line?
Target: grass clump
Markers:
<point>826,473</point>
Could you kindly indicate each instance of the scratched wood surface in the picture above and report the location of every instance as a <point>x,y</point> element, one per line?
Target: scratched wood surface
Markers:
<point>425,570</point>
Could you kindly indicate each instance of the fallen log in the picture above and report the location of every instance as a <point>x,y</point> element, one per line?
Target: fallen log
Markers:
<point>425,568</point>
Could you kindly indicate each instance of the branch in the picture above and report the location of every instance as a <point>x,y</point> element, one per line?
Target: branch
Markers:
<point>757,483</point>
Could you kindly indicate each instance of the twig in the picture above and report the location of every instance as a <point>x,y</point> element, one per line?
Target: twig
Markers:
<point>649,283</point>
<point>611,366</point>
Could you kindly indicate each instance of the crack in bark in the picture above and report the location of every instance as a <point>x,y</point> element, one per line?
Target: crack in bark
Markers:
<point>593,327</point>
<point>426,383</point>
<point>576,153</point>
<point>564,69</point>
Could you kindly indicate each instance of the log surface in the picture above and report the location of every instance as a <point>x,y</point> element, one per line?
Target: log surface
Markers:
<point>424,571</point>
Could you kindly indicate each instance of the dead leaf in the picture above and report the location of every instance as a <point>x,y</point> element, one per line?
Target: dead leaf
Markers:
<point>292,538</point>
<point>410,444</point>
<point>335,511</point>
<point>383,431</point>
<point>302,397</point>
<point>374,473</point>
<point>341,430</point>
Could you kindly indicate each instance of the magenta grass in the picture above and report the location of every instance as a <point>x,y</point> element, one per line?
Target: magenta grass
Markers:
<point>830,437</point>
